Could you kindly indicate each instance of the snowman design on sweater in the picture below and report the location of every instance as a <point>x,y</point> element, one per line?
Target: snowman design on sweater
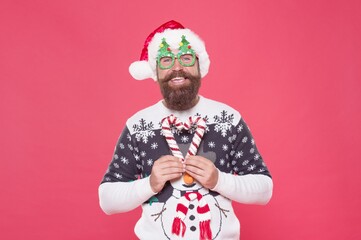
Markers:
<point>227,142</point>
<point>187,201</point>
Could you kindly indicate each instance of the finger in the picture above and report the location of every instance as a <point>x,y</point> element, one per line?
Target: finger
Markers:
<point>194,171</point>
<point>172,176</point>
<point>196,176</point>
<point>171,160</point>
<point>164,175</point>
<point>196,163</point>
<point>168,171</point>
<point>197,157</point>
<point>172,165</point>
<point>197,160</point>
<point>168,158</point>
<point>168,162</point>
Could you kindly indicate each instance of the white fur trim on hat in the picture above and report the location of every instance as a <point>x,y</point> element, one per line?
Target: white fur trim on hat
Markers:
<point>141,70</point>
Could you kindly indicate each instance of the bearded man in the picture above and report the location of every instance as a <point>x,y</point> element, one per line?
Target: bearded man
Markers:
<point>185,158</point>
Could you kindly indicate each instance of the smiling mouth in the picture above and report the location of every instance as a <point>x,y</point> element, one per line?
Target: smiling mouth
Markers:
<point>178,80</point>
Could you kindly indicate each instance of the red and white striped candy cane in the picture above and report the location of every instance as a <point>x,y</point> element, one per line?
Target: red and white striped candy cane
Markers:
<point>170,121</point>
<point>167,124</point>
<point>198,135</point>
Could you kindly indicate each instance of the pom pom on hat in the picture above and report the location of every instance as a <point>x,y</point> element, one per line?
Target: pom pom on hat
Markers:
<point>172,31</point>
<point>141,70</point>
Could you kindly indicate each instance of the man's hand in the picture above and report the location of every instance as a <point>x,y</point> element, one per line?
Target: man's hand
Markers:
<point>166,168</point>
<point>203,170</point>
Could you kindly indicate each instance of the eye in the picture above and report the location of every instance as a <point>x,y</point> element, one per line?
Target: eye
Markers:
<point>166,60</point>
<point>187,58</point>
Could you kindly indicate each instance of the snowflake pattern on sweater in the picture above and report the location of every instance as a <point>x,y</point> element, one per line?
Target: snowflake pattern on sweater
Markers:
<point>227,142</point>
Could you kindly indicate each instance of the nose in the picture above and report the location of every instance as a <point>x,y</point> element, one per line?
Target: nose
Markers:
<point>188,179</point>
<point>177,66</point>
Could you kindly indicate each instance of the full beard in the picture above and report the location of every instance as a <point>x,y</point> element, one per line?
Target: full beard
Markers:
<point>180,97</point>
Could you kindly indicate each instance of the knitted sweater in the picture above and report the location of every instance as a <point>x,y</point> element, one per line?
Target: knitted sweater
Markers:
<point>227,142</point>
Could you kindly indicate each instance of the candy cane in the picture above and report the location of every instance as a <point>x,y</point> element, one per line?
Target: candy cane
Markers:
<point>170,121</point>
<point>167,123</point>
<point>198,135</point>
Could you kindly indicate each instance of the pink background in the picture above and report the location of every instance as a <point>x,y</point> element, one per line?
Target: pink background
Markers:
<point>292,68</point>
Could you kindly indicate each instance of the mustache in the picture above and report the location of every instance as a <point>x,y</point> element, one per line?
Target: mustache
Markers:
<point>175,74</point>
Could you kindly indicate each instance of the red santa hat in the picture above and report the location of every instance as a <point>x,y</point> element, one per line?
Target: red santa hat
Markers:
<point>172,31</point>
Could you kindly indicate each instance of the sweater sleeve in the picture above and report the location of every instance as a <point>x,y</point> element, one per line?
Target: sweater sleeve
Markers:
<point>247,189</point>
<point>118,197</point>
<point>249,181</point>
<point>124,186</point>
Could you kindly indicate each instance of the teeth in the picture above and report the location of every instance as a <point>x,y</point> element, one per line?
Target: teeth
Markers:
<point>177,79</point>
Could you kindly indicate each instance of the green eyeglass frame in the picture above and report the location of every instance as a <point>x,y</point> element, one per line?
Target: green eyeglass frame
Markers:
<point>167,61</point>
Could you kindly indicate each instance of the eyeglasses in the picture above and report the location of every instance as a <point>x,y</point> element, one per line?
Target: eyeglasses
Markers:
<point>167,62</point>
